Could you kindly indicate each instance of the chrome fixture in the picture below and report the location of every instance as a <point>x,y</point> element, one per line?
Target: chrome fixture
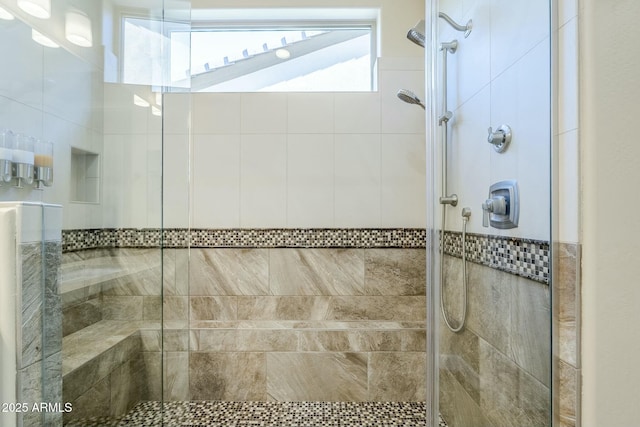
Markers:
<point>443,120</point>
<point>466,28</point>
<point>500,139</point>
<point>449,200</point>
<point>409,97</point>
<point>451,46</point>
<point>416,33</point>
<point>466,214</point>
<point>502,208</point>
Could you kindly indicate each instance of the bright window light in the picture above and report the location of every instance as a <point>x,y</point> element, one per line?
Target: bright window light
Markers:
<point>323,57</point>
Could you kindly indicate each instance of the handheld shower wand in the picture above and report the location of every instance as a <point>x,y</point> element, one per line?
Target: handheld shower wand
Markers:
<point>409,97</point>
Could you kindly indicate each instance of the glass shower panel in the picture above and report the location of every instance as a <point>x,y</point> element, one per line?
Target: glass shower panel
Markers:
<point>497,369</point>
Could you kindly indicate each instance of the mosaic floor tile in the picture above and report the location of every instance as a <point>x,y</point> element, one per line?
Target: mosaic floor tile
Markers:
<point>268,414</point>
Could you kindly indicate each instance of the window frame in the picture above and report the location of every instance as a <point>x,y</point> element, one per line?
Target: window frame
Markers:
<point>168,27</point>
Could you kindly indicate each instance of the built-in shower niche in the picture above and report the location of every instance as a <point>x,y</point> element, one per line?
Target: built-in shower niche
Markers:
<point>85,176</point>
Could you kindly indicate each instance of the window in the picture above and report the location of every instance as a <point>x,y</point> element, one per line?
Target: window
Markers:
<point>257,56</point>
<point>279,59</point>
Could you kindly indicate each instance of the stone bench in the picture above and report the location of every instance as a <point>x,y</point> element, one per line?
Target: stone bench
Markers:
<point>104,369</point>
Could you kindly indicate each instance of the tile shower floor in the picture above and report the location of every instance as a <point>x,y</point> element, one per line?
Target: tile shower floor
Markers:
<point>268,414</point>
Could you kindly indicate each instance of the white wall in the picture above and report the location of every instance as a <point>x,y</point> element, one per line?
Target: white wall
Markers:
<point>54,95</point>
<point>303,159</point>
<point>609,111</point>
<point>500,75</point>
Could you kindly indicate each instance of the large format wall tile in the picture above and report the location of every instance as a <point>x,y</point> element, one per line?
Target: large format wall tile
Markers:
<point>531,328</point>
<point>395,272</point>
<point>227,376</point>
<point>229,272</point>
<point>378,308</point>
<point>317,376</point>
<point>283,308</point>
<point>316,272</point>
<point>508,395</point>
<point>397,376</point>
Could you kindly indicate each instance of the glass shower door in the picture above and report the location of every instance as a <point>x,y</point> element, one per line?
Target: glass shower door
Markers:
<point>496,370</point>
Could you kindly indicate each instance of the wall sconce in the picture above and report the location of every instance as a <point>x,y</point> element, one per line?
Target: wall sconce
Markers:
<point>42,39</point>
<point>6,155</point>
<point>77,29</point>
<point>5,14</point>
<point>38,8</point>
<point>23,159</point>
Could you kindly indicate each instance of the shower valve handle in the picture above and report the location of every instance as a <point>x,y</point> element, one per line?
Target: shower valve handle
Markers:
<point>496,205</point>
<point>500,139</point>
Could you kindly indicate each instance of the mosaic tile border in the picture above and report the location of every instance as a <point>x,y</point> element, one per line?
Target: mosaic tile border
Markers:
<point>268,414</point>
<point>524,257</point>
<point>74,240</point>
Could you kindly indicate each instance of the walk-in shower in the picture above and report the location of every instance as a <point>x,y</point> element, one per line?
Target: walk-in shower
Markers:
<point>283,257</point>
<point>489,288</point>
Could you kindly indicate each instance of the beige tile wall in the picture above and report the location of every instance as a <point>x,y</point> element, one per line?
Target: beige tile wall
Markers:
<point>497,371</point>
<point>297,324</point>
<point>270,324</point>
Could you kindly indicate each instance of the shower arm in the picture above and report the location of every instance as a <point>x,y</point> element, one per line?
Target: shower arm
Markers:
<point>466,28</point>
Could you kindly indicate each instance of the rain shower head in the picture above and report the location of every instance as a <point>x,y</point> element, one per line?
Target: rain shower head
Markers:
<point>410,97</point>
<point>416,33</point>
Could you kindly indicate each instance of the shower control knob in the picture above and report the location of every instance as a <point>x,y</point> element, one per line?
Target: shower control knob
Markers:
<point>500,139</point>
<point>496,205</point>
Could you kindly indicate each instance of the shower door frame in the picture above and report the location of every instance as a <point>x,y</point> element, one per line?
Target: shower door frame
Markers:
<point>433,229</point>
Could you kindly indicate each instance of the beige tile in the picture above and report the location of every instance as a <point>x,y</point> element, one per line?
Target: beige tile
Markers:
<point>267,340</point>
<point>283,308</point>
<point>96,402</point>
<point>176,376</point>
<point>227,376</point>
<point>399,308</point>
<point>213,308</point>
<point>316,271</point>
<point>122,307</point>
<point>531,328</point>
<point>229,271</point>
<point>397,376</point>
<point>568,382</point>
<point>317,376</point>
<point>489,300</point>
<point>508,395</point>
<point>395,271</point>
<point>363,340</point>
<point>460,357</point>
<point>175,308</point>
<point>456,406</point>
<point>210,340</point>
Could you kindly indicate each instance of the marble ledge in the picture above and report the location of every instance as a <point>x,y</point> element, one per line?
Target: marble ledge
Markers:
<point>308,325</point>
<point>89,343</point>
<point>85,273</point>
